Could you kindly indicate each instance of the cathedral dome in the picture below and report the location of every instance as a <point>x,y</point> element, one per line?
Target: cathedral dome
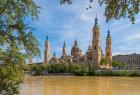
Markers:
<point>75,49</point>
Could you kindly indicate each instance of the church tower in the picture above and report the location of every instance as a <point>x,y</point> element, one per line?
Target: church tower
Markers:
<point>96,45</point>
<point>64,50</point>
<point>108,49</point>
<point>47,51</point>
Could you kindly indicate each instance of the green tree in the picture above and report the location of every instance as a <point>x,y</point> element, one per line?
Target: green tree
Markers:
<point>115,9</point>
<point>118,64</point>
<point>17,43</point>
<point>10,79</point>
<point>103,61</point>
<point>115,64</point>
<point>15,34</point>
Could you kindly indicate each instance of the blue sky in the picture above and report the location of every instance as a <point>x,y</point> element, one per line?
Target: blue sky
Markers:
<point>69,22</point>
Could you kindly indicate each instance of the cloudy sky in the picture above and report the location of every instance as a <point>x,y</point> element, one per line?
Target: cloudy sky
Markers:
<point>69,22</point>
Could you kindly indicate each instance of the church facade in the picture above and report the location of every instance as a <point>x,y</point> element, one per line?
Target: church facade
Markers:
<point>93,55</point>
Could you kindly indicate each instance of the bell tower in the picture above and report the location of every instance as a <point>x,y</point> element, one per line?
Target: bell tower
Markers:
<point>96,45</point>
<point>108,49</point>
<point>47,51</point>
<point>64,50</point>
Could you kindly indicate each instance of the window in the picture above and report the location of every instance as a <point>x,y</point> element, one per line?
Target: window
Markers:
<point>108,43</point>
<point>95,48</point>
<point>108,54</point>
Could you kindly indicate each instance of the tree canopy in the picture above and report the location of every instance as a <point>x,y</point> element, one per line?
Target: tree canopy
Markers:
<point>17,42</point>
<point>115,9</point>
<point>16,39</point>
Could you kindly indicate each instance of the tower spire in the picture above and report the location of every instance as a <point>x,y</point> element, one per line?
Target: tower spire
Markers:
<point>64,51</point>
<point>108,34</point>
<point>47,38</point>
<point>54,55</point>
<point>75,42</point>
<point>96,15</point>
<point>96,20</point>
<point>64,45</point>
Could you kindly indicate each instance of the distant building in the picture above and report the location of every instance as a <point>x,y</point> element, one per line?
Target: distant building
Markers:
<point>132,60</point>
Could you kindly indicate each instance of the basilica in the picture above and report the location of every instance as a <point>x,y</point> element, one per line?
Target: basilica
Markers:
<point>93,55</point>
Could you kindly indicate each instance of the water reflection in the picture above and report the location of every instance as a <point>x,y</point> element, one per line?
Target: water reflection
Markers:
<point>62,85</point>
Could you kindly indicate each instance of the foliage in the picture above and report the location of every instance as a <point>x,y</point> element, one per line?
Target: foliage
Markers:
<point>51,68</point>
<point>91,71</point>
<point>10,78</point>
<point>116,9</point>
<point>15,35</point>
<point>76,69</point>
<point>115,64</point>
<point>133,74</point>
<point>103,61</point>
<point>118,64</point>
<point>117,73</point>
<point>17,43</point>
<point>79,70</point>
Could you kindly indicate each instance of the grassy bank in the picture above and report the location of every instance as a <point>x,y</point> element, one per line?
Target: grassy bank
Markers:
<point>127,73</point>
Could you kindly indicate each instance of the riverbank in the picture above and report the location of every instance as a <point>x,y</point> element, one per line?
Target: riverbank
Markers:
<point>76,70</point>
<point>61,74</point>
<point>127,73</point>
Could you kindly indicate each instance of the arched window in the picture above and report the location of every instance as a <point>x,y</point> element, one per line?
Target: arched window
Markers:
<point>95,48</point>
<point>108,54</point>
<point>108,43</point>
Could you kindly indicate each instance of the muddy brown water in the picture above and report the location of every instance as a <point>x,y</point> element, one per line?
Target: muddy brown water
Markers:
<point>74,85</point>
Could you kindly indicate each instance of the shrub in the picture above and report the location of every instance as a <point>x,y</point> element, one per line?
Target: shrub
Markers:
<point>134,73</point>
<point>11,77</point>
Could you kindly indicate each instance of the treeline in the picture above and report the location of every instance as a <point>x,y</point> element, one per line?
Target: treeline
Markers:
<point>76,69</point>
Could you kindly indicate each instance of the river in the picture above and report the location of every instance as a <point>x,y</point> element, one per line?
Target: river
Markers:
<point>73,85</point>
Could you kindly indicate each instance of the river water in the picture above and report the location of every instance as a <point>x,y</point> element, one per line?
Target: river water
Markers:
<point>73,85</point>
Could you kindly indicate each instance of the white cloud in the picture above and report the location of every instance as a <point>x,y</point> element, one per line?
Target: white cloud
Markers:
<point>85,17</point>
<point>133,37</point>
